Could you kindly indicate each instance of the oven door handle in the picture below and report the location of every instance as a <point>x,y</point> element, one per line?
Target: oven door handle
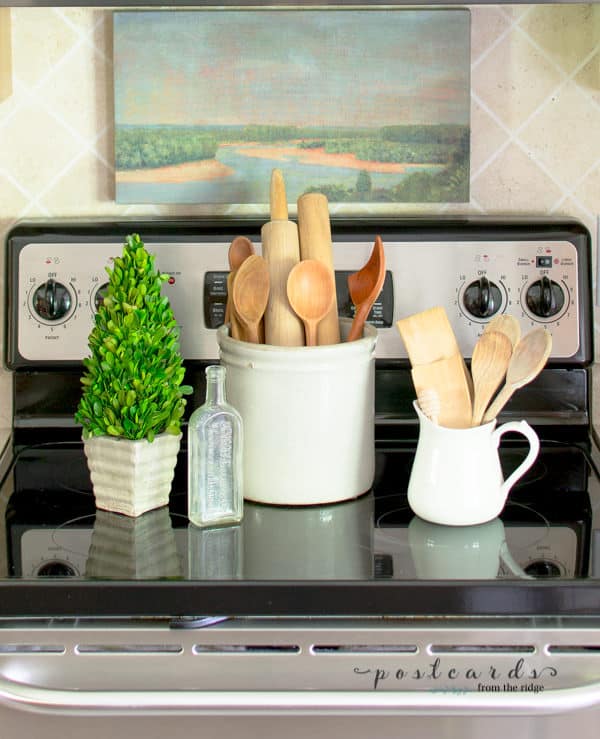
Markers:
<point>285,702</point>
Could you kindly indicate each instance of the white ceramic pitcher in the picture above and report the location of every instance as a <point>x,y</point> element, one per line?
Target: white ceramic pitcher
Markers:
<point>456,478</point>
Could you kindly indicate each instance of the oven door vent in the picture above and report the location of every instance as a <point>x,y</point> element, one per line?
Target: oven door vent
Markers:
<point>364,649</point>
<point>482,649</point>
<point>137,649</point>
<point>246,649</point>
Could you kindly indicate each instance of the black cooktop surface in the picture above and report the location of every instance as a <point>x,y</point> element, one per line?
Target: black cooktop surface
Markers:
<point>367,556</point>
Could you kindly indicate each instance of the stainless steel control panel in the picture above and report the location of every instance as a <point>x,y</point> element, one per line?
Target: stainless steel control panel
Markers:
<point>60,285</point>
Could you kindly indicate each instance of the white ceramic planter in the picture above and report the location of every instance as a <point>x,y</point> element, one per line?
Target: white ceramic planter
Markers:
<point>309,417</point>
<point>131,477</point>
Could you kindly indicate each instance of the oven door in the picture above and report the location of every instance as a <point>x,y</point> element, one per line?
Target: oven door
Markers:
<point>272,676</point>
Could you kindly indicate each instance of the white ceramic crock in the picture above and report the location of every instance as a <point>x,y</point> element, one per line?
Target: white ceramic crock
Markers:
<point>309,415</point>
<point>456,478</point>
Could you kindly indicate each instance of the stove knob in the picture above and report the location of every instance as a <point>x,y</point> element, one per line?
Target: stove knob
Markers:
<point>52,300</point>
<point>482,298</point>
<point>542,568</point>
<point>545,298</point>
<point>99,296</point>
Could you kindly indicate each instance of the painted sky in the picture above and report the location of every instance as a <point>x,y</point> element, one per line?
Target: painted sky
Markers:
<point>319,67</point>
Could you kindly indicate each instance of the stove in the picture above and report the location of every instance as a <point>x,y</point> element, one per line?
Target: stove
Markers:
<point>359,596</point>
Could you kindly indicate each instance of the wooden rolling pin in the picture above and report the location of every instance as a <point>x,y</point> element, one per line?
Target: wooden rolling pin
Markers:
<point>314,229</point>
<point>281,251</point>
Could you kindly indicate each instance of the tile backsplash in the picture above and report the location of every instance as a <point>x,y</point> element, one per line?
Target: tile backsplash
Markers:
<point>535,119</point>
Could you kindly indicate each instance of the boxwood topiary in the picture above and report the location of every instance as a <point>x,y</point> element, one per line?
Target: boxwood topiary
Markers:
<point>132,382</point>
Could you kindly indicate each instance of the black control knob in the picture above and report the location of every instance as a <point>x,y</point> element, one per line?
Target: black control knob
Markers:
<point>99,296</point>
<point>542,568</point>
<point>482,298</point>
<point>52,300</point>
<point>56,569</point>
<point>545,298</point>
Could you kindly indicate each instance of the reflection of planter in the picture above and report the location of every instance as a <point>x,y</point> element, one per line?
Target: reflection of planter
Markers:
<point>131,477</point>
<point>142,547</point>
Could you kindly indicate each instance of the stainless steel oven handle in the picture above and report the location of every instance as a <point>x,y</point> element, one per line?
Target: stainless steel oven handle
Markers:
<point>88,702</point>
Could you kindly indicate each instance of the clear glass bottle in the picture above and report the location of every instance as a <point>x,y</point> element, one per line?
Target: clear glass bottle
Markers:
<point>215,490</point>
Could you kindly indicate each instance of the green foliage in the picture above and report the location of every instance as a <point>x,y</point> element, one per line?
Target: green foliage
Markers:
<point>364,183</point>
<point>139,147</point>
<point>132,380</point>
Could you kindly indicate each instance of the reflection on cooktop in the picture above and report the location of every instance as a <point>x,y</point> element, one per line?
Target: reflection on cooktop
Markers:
<point>54,530</point>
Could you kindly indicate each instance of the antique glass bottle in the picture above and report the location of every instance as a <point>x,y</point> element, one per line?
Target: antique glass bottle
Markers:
<point>215,490</point>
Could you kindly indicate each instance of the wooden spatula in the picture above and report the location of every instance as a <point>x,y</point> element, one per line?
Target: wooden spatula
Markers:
<point>428,336</point>
<point>447,378</point>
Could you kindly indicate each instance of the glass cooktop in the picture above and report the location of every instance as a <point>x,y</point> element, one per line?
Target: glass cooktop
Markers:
<point>367,556</point>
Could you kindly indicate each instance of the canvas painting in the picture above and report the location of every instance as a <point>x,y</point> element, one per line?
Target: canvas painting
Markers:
<point>366,106</point>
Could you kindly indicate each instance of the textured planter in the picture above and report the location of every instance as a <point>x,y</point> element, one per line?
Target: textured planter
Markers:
<point>131,477</point>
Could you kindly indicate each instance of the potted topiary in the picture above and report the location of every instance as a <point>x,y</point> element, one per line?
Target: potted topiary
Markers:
<point>132,400</point>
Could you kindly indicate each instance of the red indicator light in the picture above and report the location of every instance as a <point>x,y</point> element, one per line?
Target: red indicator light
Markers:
<point>171,280</point>
<point>556,260</point>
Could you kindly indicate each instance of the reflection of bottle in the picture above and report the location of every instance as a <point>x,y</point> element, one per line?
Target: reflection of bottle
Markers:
<point>215,553</point>
<point>215,494</point>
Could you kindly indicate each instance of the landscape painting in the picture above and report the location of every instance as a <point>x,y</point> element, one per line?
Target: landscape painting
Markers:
<point>366,106</point>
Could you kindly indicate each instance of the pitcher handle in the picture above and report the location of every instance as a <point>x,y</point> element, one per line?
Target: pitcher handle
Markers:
<point>521,427</point>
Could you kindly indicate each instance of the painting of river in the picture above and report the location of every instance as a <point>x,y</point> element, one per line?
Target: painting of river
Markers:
<point>208,102</point>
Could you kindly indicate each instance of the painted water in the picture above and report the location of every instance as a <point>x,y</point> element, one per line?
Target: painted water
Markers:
<point>250,181</point>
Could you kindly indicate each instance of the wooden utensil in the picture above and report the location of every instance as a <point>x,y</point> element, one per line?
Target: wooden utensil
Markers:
<point>311,291</point>
<point>527,361</point>
<point>240,249</point>
<point>314,229</point>
<point>447,379</point>
<point>364,287</point>
<point>281,250</point>
<point>489,363</point>
<point>429,403</point>
<point>506,324</point>
<point>429,337</point>
<point>250,296</point>
<point>231,317</point>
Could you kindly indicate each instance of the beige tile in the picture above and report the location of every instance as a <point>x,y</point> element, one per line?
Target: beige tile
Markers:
<point>514,79</point>
<point>84,189</point>
<point>572,208</point>
<point>77,91</point>
<point>40,39</point>
<point>12,201</point>
<point>588,78</point>
<point>588,191</point>
<point>516,11</point>
<point>487,24</point>
<point>514,184</point>
<point>565,32</point>
<point>42,147</point>
<point>566,117</point>
<point>486,136</point>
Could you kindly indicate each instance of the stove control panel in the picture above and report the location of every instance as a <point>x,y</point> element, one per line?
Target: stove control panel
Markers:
<point>61,285</point>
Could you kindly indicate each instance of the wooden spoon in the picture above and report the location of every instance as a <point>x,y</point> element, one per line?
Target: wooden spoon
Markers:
<point>489,363</point>
<point>527,361</point>
<point>364,287</point>
<point>311,291</point>
<point>506,324</point>
<point>239,250</point>
<point>250,295</point>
